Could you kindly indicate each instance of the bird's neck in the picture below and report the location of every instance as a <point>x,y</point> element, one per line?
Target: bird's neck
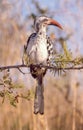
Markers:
<point>42,32</point>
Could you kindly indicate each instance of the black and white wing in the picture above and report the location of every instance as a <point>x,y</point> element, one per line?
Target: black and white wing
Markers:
<point>50,51</point>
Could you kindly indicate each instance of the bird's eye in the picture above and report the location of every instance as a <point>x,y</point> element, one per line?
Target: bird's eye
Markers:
<point>45,20</point>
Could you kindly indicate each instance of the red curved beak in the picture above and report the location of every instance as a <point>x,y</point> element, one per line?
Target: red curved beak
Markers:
<point>55,23</point>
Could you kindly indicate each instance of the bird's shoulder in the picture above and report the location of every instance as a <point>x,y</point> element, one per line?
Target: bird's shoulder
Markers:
<point>31,37</point>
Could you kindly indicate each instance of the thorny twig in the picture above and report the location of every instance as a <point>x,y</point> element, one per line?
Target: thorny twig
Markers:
<point>44,66</point>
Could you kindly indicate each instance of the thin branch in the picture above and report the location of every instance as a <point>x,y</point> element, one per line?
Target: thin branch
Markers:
<point>44,66</point>
<point>21,71</point>
<point>12,67</point>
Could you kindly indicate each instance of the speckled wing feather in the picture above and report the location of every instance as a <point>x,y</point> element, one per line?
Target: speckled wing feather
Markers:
<point>50,51</point>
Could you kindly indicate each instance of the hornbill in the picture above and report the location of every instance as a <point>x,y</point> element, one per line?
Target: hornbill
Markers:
<point>39,50</point>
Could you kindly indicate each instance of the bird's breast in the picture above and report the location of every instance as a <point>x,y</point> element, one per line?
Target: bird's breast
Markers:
<point>41,53</point>
<point>37,51</point>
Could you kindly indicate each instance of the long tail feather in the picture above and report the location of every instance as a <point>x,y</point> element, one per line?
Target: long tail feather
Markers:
<point>39,98</point>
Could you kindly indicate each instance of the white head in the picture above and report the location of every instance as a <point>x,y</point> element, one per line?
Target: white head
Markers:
<point>43,21</point>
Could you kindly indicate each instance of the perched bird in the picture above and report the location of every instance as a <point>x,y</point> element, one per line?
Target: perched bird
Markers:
<point>40,50</point>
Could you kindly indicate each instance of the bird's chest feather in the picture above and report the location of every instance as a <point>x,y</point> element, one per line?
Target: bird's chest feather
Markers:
<point>41,53</point>
<point>38,51</point>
